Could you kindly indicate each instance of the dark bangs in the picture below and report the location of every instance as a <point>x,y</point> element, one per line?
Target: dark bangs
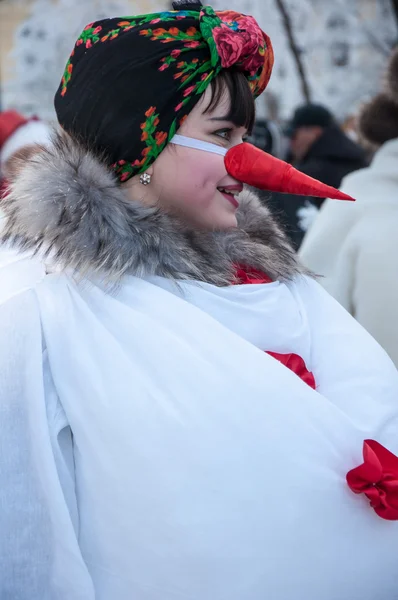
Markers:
<point>242,107</point>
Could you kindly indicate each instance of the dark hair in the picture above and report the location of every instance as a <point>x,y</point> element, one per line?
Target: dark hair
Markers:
<point>378,120</point>
<point>242,111</point>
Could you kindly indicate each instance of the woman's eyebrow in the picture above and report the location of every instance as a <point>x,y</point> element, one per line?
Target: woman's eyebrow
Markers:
<point>226,118</point>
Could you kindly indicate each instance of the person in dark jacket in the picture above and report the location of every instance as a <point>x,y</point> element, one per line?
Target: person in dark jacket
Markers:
<point>268,136</point>
<point>319,148</point>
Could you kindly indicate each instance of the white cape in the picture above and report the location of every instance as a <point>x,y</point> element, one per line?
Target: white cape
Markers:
<point>151,449</point>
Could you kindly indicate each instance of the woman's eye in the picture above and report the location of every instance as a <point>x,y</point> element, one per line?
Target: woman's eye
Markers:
<point>223,133</point>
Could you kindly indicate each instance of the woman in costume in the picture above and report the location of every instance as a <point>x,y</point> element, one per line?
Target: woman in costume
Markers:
<point>185,414</point>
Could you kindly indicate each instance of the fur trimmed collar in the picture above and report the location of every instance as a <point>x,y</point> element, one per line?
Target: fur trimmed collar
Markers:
<point>66,203</point>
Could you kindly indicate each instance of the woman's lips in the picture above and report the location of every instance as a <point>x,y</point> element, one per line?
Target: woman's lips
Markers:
<point>230,193</point>
<point>231,198</point>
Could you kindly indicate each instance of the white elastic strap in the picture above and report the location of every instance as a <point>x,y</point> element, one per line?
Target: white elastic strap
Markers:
<point>182,140</point>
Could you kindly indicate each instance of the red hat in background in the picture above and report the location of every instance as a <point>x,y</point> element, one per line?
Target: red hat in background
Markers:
<point>10,120</point>
<point>16,132</point>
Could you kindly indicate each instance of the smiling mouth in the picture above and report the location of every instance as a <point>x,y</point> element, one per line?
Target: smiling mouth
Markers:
<point>231,195</point>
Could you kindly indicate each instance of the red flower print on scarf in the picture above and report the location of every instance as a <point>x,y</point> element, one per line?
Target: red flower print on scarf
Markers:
<point>189,90</point>
<point>150,111</point>
<point>193,44</point>
<point>160,137</point>
<point>241,46</point>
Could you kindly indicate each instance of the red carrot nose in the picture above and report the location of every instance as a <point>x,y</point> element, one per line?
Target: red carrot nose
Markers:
<point>250,165</point>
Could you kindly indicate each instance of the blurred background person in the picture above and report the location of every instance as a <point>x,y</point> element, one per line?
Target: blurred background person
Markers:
<point>267,135</point>
<point>319,148</point>
<point>355,245</point>
<point>19,137</point>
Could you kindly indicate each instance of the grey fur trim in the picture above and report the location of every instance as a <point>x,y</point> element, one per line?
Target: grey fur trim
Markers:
<point>65,202</point>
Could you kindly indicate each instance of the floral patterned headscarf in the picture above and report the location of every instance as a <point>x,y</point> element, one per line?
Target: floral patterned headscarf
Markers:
<point>130,81</point>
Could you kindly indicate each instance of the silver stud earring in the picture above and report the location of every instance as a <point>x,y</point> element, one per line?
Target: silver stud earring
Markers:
<point>145,178</point>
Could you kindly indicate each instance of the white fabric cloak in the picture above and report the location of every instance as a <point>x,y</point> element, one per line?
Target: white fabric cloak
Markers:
<point>152,450</point>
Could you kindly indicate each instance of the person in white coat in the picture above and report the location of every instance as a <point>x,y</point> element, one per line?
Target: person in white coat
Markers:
<point>354,246</point>
<point>184,412</point>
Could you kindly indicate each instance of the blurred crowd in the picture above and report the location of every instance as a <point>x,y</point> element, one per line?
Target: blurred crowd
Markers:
<point>351,247</point>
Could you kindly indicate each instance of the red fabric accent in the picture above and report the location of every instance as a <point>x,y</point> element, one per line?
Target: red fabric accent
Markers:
<point>377,478</point>
<point>253,166</point>
<point>250,275</point>
<point>295,363</point>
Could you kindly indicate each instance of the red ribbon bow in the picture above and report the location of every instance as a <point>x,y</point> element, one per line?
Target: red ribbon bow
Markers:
<point>377,478</point>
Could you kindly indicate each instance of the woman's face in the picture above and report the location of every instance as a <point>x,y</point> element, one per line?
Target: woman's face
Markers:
<point>189,183</point>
